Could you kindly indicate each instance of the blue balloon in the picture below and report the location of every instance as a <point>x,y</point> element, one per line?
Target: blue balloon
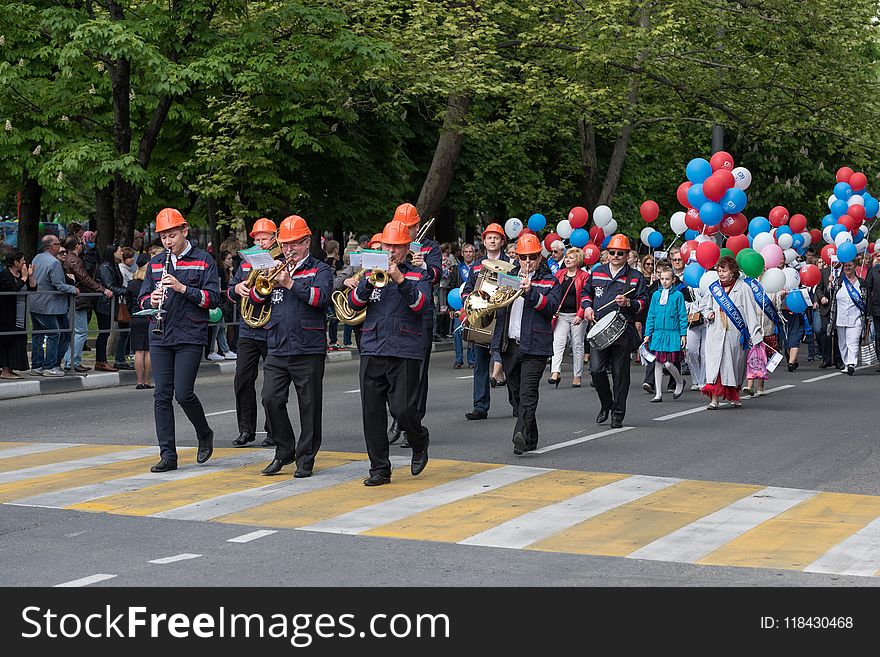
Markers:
<point>829,220</point>
<point>843,191</point>
<point>690,234</point>
<point>579,238</point>
<point>839,208</point>
<point>795,301</point>
<point>695,195</point>
<point>734,200</point>
<point>797,241</point>
<point>759,225</point>
<point>872,207</point>
<point>655,239</point>
<point>537,222</point>
<point>858,237</point>
<point>847,252</point>
<point>605,241</point>
<point>861,192</point>
<point>837,229</point>
<point>692,274</point>
<point>698,170</point>
<point>783,230</point>
<point>711,213</point>
<point>453,299</point>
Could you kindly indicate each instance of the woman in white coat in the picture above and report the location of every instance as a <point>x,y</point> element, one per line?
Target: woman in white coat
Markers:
<point>849,316</point>
<point>725,347</point>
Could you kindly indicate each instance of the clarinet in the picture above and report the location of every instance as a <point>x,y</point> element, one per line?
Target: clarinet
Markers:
<point>159,328</point>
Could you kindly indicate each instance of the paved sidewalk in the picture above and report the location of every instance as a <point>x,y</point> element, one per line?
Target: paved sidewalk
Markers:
<point>30,386</point>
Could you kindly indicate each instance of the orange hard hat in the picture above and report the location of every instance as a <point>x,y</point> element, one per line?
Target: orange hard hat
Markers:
<point>263,225</point>
<point>494,228</point>
<point>528,243</point>
<point>407,213</point>
<point>618,241</point>
<point>376,238</point>
<point>169,218</point>
<point>293,229</point>
<point>395,232</point>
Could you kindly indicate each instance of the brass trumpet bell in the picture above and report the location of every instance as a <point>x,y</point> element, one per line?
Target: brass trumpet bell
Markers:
<point>262,281</point>
<point>378,278</point>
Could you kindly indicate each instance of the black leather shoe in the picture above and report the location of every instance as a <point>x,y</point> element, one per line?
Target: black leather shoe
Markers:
<point>377,480</point>
<point>275,466</point>
<point>302,474</point>
<point>519,443</point>
<point>850,370</point>
<point>420,460</point>
<point>824,366</point>
<point>164,466</point>
<point>617,422</point>
<point>405,443</point>
<point>476,415</point>
<point>243,439</point>
<point>206,448</point>
<point>603,416</point>
<point>268,442</point>
<point>394,432</point>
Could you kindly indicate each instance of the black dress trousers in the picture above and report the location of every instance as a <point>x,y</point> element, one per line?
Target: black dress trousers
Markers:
<point>247,368</point>
<point>617,356</point>
<point>524,373</point>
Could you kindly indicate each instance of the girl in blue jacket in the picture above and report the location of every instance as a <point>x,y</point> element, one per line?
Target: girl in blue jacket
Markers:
<point>666,333</point>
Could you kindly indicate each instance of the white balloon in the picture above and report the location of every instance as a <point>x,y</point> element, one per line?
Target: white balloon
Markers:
<point>855,199</point>
<point>644,235</point>
<point>842,236</point>
<point>864,229</point>
<point>513,227</point>
<point>790,256</point>
<point>826,234</point>
<point>742,178</point>
<point>877,245</point>
<point>862,246</point>
<point>831,200</point>
<point>677,223</point>
<point>785,241</point>
<point>792,278</point>
<point>699,239</point>
<point>563,229</point>
<point>761,240</point>
<point>601,216</point>
<point>707,279</point>
<point>610,228</point>
<point>808,239</point>
<point>773,280</point>
<point>544,251</point>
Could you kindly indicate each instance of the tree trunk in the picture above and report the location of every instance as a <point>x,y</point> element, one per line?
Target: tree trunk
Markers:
<point>29,223</point>
<point>589,163</point>
<point>213,233</point>
<point>104,221</point>
<point>442,169</point>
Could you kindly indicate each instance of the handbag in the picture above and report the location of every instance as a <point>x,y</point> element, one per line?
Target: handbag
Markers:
<point>867,354</point>
<point>122,313</point>
<point>696,319</point>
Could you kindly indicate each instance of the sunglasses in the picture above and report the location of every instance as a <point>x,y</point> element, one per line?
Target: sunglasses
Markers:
<point>618,253</point>
<point>530,256</point>
<point>62,252</point>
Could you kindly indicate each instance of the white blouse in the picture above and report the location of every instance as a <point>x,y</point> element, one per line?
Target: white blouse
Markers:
<point>848,314</point>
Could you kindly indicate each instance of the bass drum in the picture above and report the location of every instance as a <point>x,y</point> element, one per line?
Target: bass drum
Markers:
<point>607,330</point>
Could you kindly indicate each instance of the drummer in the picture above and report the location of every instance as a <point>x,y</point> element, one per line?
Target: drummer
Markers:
<point>612,288</point>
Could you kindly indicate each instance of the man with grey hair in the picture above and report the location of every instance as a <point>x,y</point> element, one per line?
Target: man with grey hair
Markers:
<point>49,311</point>
<point>557,255</point>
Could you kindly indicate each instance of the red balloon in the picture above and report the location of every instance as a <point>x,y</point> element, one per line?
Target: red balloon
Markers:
<point>649,211</point>
<point>708,254</point>
<point>726,177</point>
<point>797,223</point>
<point>713,187</point>
<point>578,217</point>
<point>549,239</point>
<point>827,251</point>
<point>692,219</point>
<point>870,247</point>
<point>721,160</point>
<point>597,235</point>
<point>591,253</point>
<point>810,275</point>
<point>682,193</point>
<point>858,181</point>
<point>856,211</point>
<point>734,224</point>
<point>737,243</point>
<point>778,216</point>
<point>844,174</point>
<point>686,248</point>
<point>711,230</point>
<point>816,236</point>
<point>846,220</point>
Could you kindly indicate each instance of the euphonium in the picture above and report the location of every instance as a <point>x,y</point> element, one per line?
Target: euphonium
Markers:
<point>344,312</point>
<point>261,281</point>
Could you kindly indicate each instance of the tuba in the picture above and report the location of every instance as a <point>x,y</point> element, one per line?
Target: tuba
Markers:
<point>261,281</point>
<point>344,312</point>
<point>487,297</point>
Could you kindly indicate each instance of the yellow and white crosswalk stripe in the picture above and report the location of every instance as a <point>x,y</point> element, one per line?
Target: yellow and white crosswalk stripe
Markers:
<point>460,502</point>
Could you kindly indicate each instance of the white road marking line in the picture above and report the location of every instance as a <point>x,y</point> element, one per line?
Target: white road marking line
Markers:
<point>465,377</point>
<point>348,392</point>
<point>541,523</point>
<point>819,378</point>
<point>77,464</point>
<point>39,448</point>
<point>219,413</point>
<point>672,416</point>
<point>699,538</point>
<point>856,555</point>
<point>84,581</point>
<point>247,538</point>
<point>375,515</point>
<point>582,439</point>
<point>177,557</point>
<point>69,497</point>
<point>581,430</point>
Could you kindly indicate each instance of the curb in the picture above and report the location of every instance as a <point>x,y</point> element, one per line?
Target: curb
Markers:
<point>32,387</point>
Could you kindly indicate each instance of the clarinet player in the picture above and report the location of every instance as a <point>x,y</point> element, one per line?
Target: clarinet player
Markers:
<point>184,282</point>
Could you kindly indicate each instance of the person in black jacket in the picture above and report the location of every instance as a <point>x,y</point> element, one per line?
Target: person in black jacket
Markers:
<point>524,338</point>
<point>872,283</point>
<point>111,278</point>
<point>139,328</point>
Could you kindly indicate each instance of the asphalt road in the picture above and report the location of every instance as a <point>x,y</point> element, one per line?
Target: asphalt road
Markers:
<point>818,435</point>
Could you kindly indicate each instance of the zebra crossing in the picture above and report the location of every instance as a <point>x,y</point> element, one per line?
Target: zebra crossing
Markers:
<point>517,507</point>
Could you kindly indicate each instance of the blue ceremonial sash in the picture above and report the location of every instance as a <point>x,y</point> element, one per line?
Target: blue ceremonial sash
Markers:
<point>554,266</point>
<point>854,295</point>
<point>681,287</point>
<point>732,312</point>
<point>463,271</point>
<point>765,303</point>
<point>808,325</point>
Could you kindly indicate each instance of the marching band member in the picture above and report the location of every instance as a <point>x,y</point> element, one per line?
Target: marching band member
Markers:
<point>493,240</point>
<point>251,346</point>
<point>392,350</point>
<point>184,283</point>
<point>429,259</point>
<point>524,337</point>
<point>613,287</point>
<point>297,348</point>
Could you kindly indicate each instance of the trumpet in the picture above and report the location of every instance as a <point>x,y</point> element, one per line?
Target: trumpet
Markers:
<point>344,312</point>
<point>159,328</point>
<point>261,281</point>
